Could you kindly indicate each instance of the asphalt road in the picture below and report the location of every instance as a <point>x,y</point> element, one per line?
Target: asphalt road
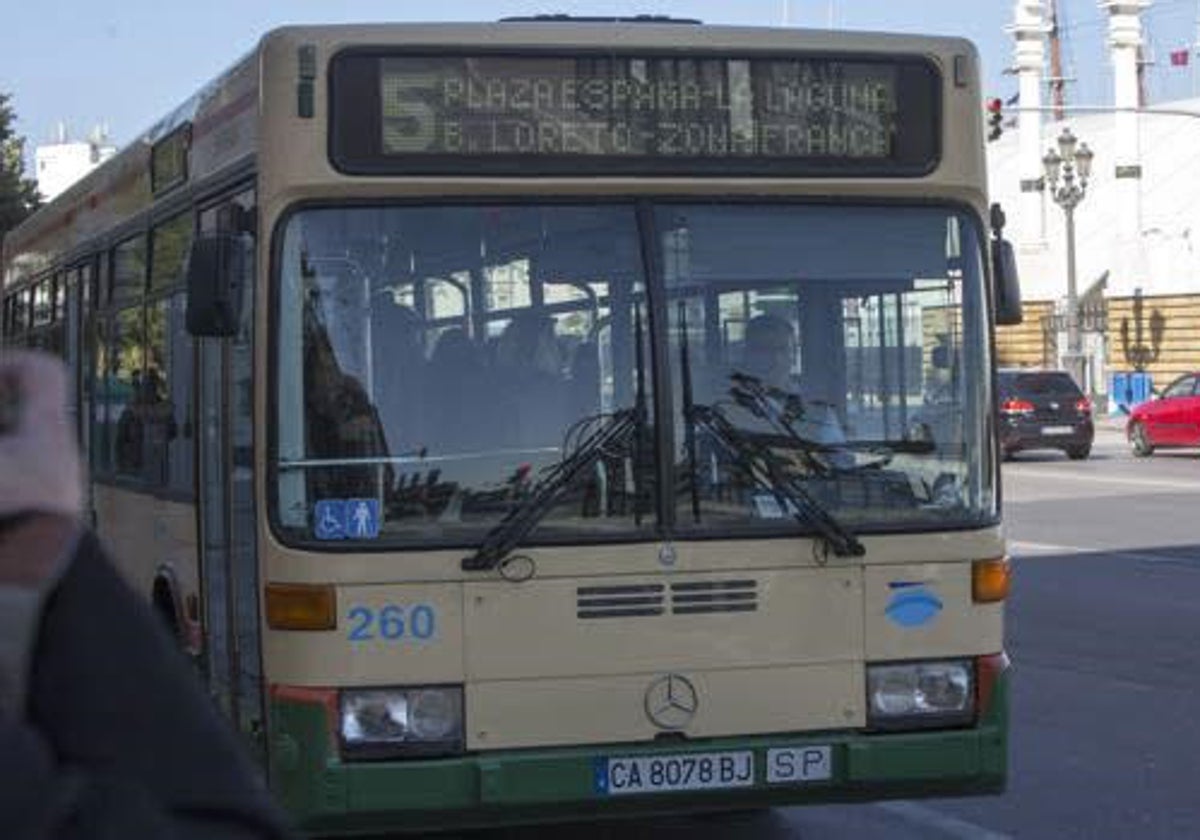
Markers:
<point>1104,632</point>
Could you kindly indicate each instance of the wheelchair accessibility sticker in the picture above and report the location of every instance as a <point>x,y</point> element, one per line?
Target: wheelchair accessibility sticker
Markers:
<point>346,519</point>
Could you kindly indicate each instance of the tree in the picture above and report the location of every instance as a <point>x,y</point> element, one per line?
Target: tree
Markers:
<point>18,194</point>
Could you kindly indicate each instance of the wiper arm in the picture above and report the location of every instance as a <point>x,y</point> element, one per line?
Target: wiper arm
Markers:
<point>623,431</point>
<point>618,433</point>
<point>765,468</point>
<point>689,403</point>
<point>781,409</point>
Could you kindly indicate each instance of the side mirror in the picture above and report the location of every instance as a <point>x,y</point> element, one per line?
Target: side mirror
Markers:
<point>214,285</point>
<point>1007,290</point>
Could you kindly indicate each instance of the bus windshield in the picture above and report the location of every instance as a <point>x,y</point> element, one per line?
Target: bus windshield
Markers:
<point>444,369</point>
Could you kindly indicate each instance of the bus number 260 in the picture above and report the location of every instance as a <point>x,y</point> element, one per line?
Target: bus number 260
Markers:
<point>392,623</point>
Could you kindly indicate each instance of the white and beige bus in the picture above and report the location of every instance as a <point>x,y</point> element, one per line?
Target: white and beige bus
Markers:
<point>554,417</point>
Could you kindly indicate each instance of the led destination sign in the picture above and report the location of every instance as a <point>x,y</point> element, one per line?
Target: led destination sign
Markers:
<point>635,113</point>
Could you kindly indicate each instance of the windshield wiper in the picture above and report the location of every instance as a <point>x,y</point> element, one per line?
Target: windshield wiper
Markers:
<point>689,405</point>
<point>623,431</point>
<point>782,409</point>
<point>767,469</point>
<point>619,433</point>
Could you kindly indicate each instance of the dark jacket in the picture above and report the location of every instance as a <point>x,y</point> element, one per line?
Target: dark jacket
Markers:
<point>119,739</point>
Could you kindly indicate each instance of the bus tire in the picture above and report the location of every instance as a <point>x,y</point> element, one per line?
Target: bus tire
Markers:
<point>164,606</point>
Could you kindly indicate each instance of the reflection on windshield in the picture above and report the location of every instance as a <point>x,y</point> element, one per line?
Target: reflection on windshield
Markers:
<point>444,357</point>
<point>439,368</point>
<point>838,340</point>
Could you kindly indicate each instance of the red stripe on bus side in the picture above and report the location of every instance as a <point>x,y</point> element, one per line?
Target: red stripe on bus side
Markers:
<point>223,114</point>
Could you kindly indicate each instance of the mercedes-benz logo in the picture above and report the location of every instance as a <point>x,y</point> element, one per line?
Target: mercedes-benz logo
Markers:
<point>671,702</point>
<point>667,555</point>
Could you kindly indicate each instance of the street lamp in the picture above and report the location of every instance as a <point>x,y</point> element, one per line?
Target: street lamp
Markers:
<point>1067,171</point>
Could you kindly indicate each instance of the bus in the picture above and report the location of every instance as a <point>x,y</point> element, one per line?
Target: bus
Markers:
<point>551,418</point>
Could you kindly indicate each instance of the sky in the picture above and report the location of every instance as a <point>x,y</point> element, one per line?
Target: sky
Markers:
<point>125,63</point>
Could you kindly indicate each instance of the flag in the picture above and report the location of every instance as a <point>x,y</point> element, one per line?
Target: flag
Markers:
<point>1179,58</point>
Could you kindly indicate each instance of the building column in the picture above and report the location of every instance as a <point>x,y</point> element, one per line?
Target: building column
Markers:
<point>1029,30</point>
<point>1128,262</point>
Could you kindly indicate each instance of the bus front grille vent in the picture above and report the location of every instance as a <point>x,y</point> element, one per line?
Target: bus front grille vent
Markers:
<point>714,596</point>
<point>620,601</point>
<point>650,599</point>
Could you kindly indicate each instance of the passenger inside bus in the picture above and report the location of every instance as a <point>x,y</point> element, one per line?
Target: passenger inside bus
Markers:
<point>456,370</point>
<point>130,435</point>
<point>584,389</point>
<point>398,365</point>
<point>146,426</point>
<point>530,398</point>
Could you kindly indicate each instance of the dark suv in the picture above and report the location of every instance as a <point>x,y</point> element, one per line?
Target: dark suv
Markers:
<point>1043,409</point>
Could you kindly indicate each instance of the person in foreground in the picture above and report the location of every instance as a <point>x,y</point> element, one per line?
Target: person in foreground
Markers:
<point>104,732</point>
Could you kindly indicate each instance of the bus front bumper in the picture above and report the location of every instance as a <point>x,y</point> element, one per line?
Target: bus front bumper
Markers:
<point>328,796</point>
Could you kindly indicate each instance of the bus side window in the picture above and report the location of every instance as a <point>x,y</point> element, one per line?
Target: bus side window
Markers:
<point>181,467</point>
<point>127,392</point>
<point>159,428</point>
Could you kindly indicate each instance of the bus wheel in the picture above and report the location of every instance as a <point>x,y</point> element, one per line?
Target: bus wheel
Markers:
<point>164,606</point>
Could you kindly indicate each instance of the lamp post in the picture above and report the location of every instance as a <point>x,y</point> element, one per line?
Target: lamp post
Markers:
<point>1067,170</point>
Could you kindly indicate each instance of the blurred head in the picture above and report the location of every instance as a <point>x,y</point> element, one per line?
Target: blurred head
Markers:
<point>395,331</point>
<point>769,350</point>
<point>453,353</point>
<point>527,343</point>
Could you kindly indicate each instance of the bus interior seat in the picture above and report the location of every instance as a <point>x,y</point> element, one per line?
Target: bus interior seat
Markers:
<point>398,374</point>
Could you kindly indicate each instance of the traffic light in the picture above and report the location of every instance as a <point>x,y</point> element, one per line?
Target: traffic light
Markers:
<point>995,112</point>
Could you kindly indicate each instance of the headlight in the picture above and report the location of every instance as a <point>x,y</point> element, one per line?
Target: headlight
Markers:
<point>395,722</point>
<point>919,695</point>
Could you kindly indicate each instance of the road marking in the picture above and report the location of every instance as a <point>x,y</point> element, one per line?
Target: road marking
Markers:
<point>1140,556</point>
<point>1021,545</point>
<point>1192,486</point>
<point>946,824</point>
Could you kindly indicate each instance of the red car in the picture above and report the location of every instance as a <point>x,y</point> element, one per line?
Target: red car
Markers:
<point>1170,419</point>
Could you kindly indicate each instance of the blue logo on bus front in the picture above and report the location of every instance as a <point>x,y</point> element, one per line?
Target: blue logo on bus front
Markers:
<point>913,603</point>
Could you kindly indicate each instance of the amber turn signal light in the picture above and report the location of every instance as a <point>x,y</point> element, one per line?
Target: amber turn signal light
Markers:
<point>990,580</point>
<point>301,606</point>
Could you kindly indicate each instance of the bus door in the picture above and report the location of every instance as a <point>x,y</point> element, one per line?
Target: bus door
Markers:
<point>228,550</point>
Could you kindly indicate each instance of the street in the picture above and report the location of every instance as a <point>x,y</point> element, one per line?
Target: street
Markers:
<point>1102,629</point>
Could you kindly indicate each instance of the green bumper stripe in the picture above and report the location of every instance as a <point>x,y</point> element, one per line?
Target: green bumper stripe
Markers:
<point>313,783</point>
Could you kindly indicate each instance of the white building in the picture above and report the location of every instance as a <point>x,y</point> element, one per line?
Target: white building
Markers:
<point>60,164</point>
<point>1137,230</point>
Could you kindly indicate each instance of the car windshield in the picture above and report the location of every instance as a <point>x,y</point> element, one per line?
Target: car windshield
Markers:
<point>443,370</point>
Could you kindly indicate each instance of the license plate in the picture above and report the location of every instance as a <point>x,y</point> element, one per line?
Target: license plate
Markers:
<point>792,765</point>
<point>1057,430</point>
<point>665,773</point>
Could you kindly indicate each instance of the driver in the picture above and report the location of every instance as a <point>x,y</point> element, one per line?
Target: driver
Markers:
<point>770,351</point>
<point>769,354</point>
